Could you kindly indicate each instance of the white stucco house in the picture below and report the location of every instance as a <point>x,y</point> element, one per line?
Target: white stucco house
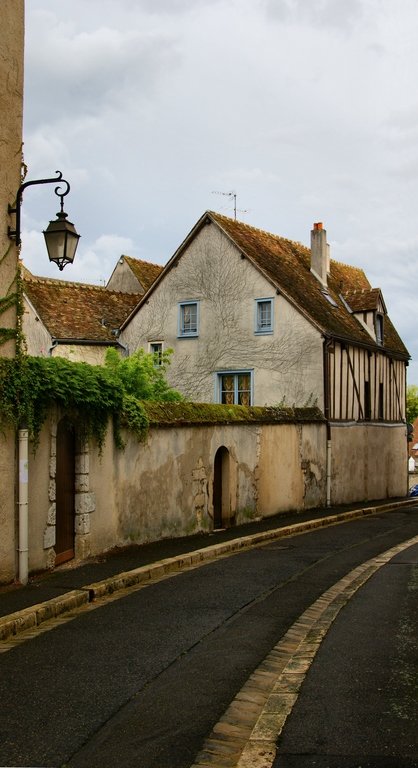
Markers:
<point>256,319</point>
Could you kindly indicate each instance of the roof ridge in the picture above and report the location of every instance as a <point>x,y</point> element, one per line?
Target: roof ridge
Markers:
<point>257,229</point>
<point>365,290</point>
<point>142,261</point>
<point>62,283</point>
<point>56,282</point>
<point>349,266</point>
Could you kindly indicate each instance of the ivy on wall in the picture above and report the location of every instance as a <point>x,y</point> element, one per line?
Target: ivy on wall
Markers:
<point>89,395</point>
<point>12,298</point>
<point>14,293</point>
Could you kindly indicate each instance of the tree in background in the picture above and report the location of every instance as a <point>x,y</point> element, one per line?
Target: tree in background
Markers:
<point>411,403</point>
<point>142,376</point>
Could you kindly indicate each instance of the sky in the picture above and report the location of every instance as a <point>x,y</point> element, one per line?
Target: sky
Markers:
<point>307,109</point>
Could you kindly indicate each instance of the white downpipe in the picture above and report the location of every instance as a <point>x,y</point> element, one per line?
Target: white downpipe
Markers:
<point>23,437</point>
<point>328,473</point>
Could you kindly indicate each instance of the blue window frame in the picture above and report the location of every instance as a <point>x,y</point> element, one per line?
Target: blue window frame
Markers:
<point>263,320</point>
<point>188,319</point>
<point>234,387</point>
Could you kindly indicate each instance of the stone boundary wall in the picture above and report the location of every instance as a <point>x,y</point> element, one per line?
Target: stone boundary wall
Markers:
<point>166,486</point>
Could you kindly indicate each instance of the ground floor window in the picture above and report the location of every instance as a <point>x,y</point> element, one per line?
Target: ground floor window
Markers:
<point>156,349</point>
<point>234,387</point>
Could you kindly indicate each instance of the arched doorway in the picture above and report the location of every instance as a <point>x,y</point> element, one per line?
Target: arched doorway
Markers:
<point>221,500</point>
<point>65,493</point>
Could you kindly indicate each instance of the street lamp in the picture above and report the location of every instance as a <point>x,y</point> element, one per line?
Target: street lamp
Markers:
<point>61,237</point>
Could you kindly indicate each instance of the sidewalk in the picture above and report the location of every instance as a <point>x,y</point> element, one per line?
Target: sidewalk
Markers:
<point>72,584</point>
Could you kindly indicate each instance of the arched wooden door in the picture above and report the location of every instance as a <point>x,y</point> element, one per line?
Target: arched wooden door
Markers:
<point>221,514</point>
<point>65,493</point>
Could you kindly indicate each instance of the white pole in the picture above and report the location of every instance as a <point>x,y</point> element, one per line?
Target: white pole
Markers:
<point>328,473</point>
<point>23,506</point>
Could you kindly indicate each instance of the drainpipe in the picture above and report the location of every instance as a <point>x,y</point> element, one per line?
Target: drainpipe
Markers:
<point>116,333</point>
<point>23,438</point>
<point>327,344</point>
<point>329,456</point>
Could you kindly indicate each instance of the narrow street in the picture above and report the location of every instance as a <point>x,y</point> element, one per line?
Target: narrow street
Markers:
<point>144,679</point>
<point>359,705</point>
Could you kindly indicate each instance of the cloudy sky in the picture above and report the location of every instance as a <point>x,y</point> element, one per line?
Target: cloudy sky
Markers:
<point>307,108</point>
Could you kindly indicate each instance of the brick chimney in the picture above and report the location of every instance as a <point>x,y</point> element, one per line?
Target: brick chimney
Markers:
<point>320,259</point>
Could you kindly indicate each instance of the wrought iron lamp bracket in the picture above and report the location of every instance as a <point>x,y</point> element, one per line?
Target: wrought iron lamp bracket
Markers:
<point>14,234</point>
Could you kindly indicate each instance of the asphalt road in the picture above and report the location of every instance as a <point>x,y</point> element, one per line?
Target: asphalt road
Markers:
<point>143,680</point>
<point>358,706</point>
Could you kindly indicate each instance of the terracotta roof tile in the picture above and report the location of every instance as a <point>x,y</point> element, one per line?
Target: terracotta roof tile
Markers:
<point>78,310</point>
<point>364,301</point>
<point>144,271</point>
<point>287,265</point>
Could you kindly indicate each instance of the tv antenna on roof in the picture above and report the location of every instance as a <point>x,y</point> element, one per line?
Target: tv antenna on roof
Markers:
<point>232,194</point>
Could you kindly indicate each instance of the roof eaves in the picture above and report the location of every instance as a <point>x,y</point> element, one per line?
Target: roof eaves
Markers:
<point>36,313</point>
<point>205,219</point>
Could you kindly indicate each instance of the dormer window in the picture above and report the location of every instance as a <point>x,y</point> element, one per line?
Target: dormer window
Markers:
<point>379,329</point>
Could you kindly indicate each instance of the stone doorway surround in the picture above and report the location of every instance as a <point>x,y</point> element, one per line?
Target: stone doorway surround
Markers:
<point>84,499</point>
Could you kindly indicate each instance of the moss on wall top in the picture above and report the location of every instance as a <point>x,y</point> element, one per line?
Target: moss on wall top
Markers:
<point>183,414</point>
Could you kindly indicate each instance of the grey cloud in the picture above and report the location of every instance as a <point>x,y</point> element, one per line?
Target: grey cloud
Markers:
<point>94,71</point>
<point>328,13</point>
<point>169,6</point>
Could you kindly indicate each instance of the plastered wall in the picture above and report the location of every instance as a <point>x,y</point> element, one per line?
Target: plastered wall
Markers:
<point>165,487</point>
<point>11,111</point>
<point>286,365</point>
<point>369,461</point>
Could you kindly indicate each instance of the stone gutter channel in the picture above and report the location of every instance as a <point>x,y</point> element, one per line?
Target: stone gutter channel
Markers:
<point>35,615</point>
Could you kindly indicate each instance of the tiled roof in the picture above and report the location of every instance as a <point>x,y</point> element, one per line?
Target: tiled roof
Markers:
<point>144,271</point>
<point>78,310</point>
<point>363,301</point>
<point>287,265</point>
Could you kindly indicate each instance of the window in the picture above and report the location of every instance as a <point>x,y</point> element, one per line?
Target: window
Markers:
<point>156,349</point>
<point>188,318</point>
<point>234,387</point>
<point>263,316</point>
<point>329,298</point>
<point>379,329</point>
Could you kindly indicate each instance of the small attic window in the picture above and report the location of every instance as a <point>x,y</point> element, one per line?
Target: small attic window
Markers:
<point>330,299</point>
<point>379,329</point>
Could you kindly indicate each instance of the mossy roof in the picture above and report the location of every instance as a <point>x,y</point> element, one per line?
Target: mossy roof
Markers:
<point>287,265</point>
<point>363,301</point>
<point>144,271</point>
<point>182,414</point>
<point>78,310</point>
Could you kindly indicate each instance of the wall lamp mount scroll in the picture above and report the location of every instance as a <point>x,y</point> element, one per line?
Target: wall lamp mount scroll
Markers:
<point>61,237</point>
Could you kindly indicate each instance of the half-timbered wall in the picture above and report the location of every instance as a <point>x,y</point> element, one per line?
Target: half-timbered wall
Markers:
<point>365,385</point>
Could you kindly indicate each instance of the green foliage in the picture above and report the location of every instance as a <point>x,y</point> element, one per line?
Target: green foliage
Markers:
<point>141,377</point>
<point>29,386</point>
<point>411,403</point>
<point>88,394</point>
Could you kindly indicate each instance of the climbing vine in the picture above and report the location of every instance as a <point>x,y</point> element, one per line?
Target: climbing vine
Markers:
<point>88,395</point>
<point>13,297</point>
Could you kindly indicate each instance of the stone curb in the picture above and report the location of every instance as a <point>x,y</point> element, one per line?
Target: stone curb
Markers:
<point>35,615</point>
<point>31,617</point>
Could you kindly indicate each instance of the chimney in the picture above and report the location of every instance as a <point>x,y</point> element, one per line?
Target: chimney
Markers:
<point>320,259</point>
